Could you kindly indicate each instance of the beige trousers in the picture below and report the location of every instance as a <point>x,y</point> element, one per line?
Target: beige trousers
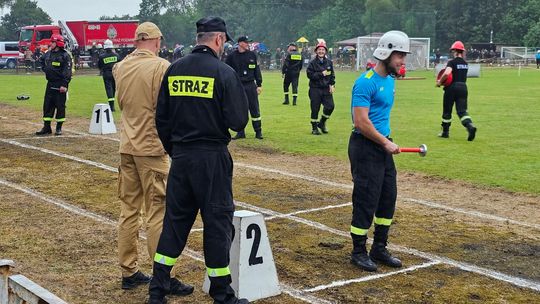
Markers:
<point>141,189</point>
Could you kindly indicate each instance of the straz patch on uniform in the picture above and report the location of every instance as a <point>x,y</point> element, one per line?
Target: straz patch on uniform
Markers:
<point>108,60</point>
<point>191,86</point>
<point>252,66</point>
<point>296,57</point>
<point>55,63</point>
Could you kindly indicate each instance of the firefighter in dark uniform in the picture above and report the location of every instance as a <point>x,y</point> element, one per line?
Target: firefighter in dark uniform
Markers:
<point>370,153</point>
<point>244,62</point>
<point>292,65</point>
<point>56,64</point>
<point>106,62</point>
<point>322,80</point>
<point>201,98</point>
<point>456,92</point>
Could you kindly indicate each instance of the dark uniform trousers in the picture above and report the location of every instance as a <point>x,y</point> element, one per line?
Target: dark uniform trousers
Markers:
<point>200,178</point>
<point>288,80</point>
<point>110,85</point>
<point>375,188</point>
<point>320,96</point>
<point>253,100</point>
<point>456,93</point>
<point>54,100</point>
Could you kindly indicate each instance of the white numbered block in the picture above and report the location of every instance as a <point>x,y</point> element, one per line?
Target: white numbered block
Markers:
<point>102,121</point>
<point>252,266</point>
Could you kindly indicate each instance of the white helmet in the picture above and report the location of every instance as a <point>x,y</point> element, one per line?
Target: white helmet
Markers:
<point>99,46</point>
<point>108,44</point>
<point>392,41</point>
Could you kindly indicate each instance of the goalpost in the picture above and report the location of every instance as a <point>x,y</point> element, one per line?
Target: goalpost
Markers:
<point>417,59</point>
<point>517,54</point>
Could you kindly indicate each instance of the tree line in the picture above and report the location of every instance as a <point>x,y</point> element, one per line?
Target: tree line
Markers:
<point>276,23</point>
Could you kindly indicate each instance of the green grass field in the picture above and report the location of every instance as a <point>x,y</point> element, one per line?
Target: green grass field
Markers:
<point>503,105</point>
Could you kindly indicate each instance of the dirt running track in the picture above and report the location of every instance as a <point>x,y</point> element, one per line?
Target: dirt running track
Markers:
<point>460,243</point>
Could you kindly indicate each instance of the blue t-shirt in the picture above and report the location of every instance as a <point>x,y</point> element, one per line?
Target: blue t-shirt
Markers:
<point>372,91</point>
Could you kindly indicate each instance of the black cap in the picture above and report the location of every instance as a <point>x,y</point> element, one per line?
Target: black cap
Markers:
<point>212,24</point>
<point>292,44</point>
<point>244,39</point>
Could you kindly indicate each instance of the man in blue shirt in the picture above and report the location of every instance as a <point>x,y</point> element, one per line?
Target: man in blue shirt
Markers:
<point>370,153</point>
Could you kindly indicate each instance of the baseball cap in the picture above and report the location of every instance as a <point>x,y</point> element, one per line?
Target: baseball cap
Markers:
<point>212,24</point>
<point>244,39</point>
<point>147,30</point>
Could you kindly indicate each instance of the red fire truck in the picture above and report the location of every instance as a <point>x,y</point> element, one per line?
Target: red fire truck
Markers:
<point>80,35</point>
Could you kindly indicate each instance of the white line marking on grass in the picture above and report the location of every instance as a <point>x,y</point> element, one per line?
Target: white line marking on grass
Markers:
<point>473,213</point>
<point>464,266</point>
<point>405,199</point>
<point>84,134</point>
<point>349,186</point>
<point>187,252</point>
<point>46,137</point>
<point>310,210</point>
<point>300,176</point>
<point>431,257</point>
<point>298,294</point>
<point>59,203</point>
<point>59,154</point>
<point>371,277</point>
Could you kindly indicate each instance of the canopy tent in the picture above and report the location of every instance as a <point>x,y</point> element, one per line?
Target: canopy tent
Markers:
<point>302,40</point>
<point>259,46</point>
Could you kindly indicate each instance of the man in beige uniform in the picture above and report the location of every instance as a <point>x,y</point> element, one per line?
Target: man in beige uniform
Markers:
<point>144,164</point>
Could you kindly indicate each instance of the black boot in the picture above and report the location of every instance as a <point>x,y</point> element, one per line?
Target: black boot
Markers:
<point>257,127</point>
<point>471,129</point>
<point>135,280</point>
<point>359,256</point>
<point>111,104</point>
<point>286,101</point>
<point>58,128</point>
<point>180,289</point>
<point>46,129</point>
<point>322,125</point>
<point>294,100</point>
<point>314,129</point>
<point>445,133</point>
<point>239,135</point>
<point>378,252</point>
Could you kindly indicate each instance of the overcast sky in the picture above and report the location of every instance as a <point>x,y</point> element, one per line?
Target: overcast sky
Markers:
<point>88,9</point>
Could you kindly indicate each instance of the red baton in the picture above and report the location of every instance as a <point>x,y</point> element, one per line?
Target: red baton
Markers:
<point>422,150</point>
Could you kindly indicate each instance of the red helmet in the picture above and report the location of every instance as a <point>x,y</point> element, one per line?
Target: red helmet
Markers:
<point>458,45</point>
<point>447,81</point>
<point>321,44</point>
<point>58,39</point>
